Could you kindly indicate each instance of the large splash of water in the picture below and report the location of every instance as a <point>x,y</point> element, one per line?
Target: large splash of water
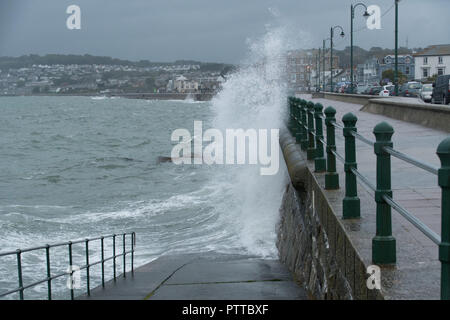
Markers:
<point>254,98</point>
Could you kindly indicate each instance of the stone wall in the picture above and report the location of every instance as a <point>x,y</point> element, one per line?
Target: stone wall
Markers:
<point>304,247</point>
<point>312,240</point>
<point>432,116</point>
<point>349,98</point>
<point>428,115</point>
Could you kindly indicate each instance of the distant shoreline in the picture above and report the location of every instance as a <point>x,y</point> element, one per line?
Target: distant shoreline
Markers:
<point>137,95</point>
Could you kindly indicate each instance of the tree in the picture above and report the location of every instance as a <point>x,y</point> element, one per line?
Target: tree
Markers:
<point>390,74</point>
<point>432,78</point>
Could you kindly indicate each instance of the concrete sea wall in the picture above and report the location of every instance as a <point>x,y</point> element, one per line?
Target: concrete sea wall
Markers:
<point>312,240</point>
<point>428,115</point>
<point>432,116</point>
<point>350,98</point>
<point>167,96</point>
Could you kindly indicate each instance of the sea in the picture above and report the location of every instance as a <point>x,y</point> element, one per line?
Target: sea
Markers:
<point>81,167</point>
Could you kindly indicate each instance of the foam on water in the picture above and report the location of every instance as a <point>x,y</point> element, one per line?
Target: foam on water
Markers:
<point>88,144</point>
<point>254,98</point>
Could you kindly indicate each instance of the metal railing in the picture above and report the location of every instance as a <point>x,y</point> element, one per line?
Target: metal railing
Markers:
<point>383,243</point>
<point>71,270</point>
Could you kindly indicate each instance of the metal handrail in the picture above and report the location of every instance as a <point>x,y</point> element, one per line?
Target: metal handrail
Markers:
<point>21,288</point>
<point>338,156</point>
<point>335,124</point>
<point>383,244</point>
<point>364,179</point>
<point>363,139</point>
<point>411,160</point>
<point>59,244</point>
<point>416,222</point>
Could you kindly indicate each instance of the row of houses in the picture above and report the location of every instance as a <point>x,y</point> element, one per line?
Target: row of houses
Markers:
<point>419,66</point>
<point>372,70</point>
<point>301,67</point>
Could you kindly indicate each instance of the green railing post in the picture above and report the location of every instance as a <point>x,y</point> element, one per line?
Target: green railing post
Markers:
<point>383,244</point>
<point>297,130</point>
<point>88,278</point>
<point>133,243</point>
<point>298,121</point>
<point>294,117</point>
<point>19,273</point>
<point>331,177</point>
<point>49,280</point>
<point>350,204</point>
<point>443,152</point>
<point>311,151</point>
<point>304,122</point>
<point>72,295</point>
<point>114,257</point>
<point>291,114</point>
<point>124,256</point>
<point>320,161</point>
<point>102,242</point>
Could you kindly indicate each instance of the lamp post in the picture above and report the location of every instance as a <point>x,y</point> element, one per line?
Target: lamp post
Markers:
<point>323,68</point>
<point>352,17</point>
<point>323,64</point>
<point>396,48</point>
<point>318,71</point>
<point>331,52</point>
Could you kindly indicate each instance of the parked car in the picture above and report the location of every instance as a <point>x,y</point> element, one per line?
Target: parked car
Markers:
<point>367,91</point>
<point>386,91</point>
<point>426,92</point>
<point>348,89</point>
<point>374,91</point>
<point>361,89</point>
<point>441,90</point>
<point>410,89</point>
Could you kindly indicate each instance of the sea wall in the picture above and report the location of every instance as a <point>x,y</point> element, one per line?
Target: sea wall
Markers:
<point>312,240</point>
<point>167,96</point>
<point>350,98</point>
<point>432,116</point>
<point>428,115</point>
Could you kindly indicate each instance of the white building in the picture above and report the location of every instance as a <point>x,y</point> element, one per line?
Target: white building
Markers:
<point>183,85</point>
<point>433,60</point>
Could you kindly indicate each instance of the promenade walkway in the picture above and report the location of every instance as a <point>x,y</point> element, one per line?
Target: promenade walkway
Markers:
<point>204,277</point>
<point>413,188</point>
<point>416,274</point>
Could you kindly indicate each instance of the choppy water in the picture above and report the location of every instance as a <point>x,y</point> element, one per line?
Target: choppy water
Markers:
<point>78,167</point>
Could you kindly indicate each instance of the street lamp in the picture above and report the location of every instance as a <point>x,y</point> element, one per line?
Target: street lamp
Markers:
<point>318,71</point>
<point>323,63</point>
<point>342,34</point>
<point>352,17</point>
<point>396,48</point>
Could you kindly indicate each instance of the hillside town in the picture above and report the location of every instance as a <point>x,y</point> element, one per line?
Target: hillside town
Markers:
<point>114,79</point>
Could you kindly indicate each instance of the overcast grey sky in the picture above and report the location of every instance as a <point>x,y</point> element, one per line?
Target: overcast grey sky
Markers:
<point>207,30</point>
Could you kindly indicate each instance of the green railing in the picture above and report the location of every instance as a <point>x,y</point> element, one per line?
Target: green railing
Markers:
<point>71,270</point>
<point>383,243</point>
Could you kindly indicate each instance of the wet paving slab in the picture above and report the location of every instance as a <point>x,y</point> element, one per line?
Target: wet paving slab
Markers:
<point>209,276</point>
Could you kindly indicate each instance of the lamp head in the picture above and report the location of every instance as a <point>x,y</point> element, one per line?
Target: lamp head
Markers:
<point>342,34</point>
<point>366,14</point>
